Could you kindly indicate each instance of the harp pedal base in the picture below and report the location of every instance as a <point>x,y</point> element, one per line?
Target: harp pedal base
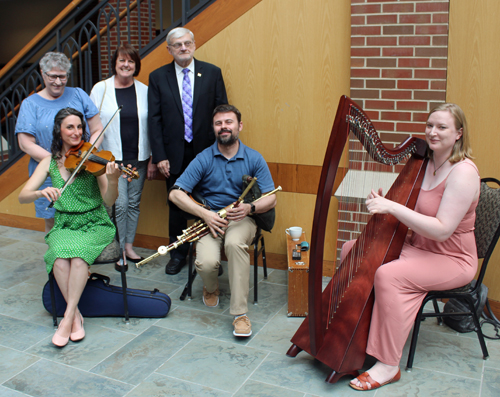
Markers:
<point>335,376</point>
<point>293,351</point>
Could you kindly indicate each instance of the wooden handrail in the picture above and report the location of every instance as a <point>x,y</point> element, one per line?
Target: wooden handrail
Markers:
<point>112,24</point>
<point>60,17</point>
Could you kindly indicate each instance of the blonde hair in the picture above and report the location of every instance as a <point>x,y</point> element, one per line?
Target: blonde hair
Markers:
<point>461,150</point>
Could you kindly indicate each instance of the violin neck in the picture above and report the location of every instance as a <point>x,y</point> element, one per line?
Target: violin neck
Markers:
<point>131,173</point>
<point>97,159</point>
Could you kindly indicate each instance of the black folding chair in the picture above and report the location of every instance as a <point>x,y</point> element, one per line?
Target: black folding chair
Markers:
<point>487,232</point>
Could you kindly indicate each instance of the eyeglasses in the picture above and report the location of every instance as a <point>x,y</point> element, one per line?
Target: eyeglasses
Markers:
<point>54,77</point>
<point>187,44</point>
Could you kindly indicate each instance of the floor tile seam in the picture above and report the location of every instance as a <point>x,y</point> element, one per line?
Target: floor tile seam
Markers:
<point>204,311</point>
<point>265,325</point>
<point>29,322</point>
<point>284,387</point>
<point>491,342</point>
<point>447,373</point>
<point>272,283</point>
<point>245,344</point>
<point>482,378</point>
<point>14,263</point>
<point>24,351</point>
<point>252,372</point>
<point>122,331</point>
<point>226,316</point>
<point>120,347</point>
<point>34,245</point>
<point>14,241</point>
<point>88,372</point>
<point>267,383</point>
<point>149,279</point>
<point>24,369</point>
<point>172,356</point>
<point>192,383</point>
<point>20,393</point>
<point>445,332</point>
<point>133,388</point>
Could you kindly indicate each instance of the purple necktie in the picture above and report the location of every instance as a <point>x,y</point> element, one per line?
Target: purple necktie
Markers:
<point>187,106</point>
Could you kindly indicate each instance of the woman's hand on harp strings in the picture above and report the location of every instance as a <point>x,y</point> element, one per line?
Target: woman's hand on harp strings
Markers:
<point>377,204</point>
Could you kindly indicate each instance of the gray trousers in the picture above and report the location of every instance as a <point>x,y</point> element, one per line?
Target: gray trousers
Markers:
<point>127,203</point>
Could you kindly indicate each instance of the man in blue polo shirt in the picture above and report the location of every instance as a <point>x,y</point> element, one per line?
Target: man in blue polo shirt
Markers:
<point>217,175</point>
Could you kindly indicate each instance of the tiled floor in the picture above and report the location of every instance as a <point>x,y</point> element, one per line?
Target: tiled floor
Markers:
<point>192,351</point>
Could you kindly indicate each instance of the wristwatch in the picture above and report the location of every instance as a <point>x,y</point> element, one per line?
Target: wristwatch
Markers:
<point>252,209</point>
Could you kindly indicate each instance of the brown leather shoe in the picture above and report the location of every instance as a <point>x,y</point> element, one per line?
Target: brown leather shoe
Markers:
<point>242,326</point>
<point>211,299</point>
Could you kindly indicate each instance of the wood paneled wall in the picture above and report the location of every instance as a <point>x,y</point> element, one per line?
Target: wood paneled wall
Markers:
<point>473,78</point>
<point>285,64</point>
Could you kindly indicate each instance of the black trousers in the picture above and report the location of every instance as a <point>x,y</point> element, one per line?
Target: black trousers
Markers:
<point>178,218</point>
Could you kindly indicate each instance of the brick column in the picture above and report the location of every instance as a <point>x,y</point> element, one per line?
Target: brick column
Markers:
<point>111,45</point>
<point>399,55</point>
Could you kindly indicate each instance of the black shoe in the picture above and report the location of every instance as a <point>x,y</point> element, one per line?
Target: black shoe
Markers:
<point>118,267</point>
<point>135,260</point>
<point>174,266</point>
<point>221,270</point>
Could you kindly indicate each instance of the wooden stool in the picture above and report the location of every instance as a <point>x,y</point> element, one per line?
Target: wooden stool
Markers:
<point>298,277</point>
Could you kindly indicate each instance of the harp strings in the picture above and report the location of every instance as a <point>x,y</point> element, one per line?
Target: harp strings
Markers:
<point>369,159</point>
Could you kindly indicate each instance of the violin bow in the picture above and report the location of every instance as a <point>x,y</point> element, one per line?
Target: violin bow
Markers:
<point>89,152</point>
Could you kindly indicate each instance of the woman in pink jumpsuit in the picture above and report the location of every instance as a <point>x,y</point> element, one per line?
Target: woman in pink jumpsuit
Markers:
<point>440,252</point>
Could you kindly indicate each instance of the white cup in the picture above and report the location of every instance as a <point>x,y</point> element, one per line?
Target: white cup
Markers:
<point>294,232</point>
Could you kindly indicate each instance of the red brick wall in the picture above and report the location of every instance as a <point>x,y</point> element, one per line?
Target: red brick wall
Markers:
<point>399,54</point>
<point>398,62</point>
<point>112,44</point>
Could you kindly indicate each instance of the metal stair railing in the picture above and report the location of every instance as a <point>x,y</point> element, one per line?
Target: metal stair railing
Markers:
<point>86,37</point>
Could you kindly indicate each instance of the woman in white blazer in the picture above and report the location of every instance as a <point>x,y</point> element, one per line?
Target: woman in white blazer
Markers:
<point>126,137</point>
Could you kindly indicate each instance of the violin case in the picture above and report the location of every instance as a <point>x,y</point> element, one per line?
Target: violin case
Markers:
<point>101,299</point>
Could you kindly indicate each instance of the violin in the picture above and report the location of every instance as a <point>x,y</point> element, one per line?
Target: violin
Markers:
<point>79,158</point>
<point>95,163</point>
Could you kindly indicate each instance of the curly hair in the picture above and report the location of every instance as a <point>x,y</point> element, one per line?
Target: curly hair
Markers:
<point>56,146</point>
<point>54,60</point>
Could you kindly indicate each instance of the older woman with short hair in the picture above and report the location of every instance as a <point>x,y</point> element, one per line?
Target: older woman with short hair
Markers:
<point>36,118</point>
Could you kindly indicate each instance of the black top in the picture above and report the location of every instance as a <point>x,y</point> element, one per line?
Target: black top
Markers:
<point>129,122</point>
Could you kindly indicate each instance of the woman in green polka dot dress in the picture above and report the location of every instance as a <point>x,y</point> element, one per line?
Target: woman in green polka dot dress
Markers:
<point>82,227</point>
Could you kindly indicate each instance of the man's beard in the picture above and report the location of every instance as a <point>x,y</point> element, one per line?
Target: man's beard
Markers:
<point>226,141</point>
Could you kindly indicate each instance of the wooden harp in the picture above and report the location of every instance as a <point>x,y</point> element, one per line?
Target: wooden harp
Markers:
<point>336,329</point>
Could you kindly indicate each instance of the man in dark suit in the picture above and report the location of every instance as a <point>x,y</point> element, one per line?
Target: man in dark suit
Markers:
<point>181,98</point>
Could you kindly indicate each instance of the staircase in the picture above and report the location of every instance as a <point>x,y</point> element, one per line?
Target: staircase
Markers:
<point>88,32</point>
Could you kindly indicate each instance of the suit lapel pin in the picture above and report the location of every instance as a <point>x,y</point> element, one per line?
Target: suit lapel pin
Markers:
<point>199,74</point>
